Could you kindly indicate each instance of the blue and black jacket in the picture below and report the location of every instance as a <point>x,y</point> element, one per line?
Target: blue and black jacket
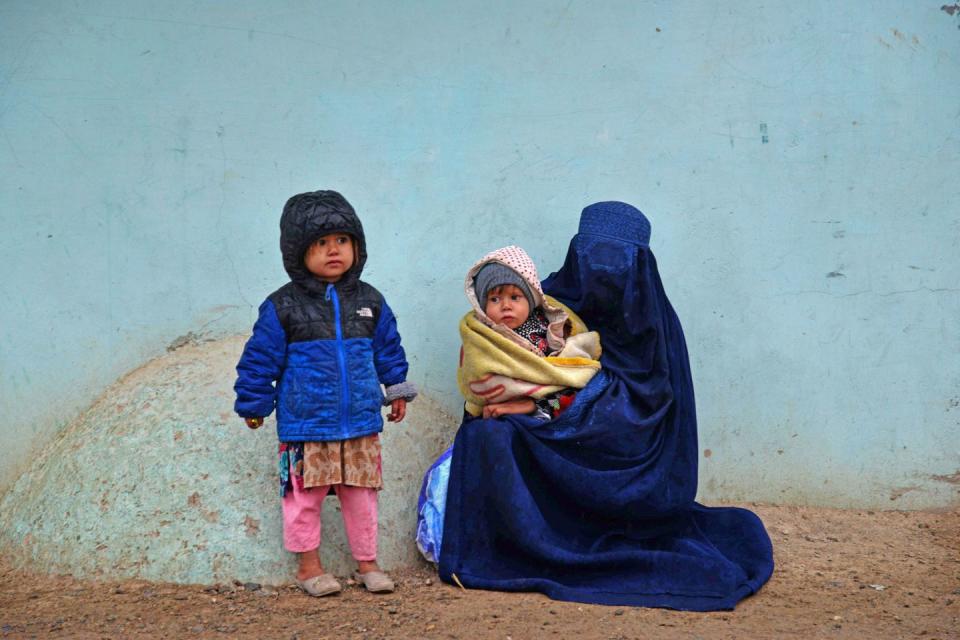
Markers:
<point>319,351</point>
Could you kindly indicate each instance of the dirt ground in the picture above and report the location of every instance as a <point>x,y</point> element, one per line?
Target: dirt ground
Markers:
<point>839,574</point>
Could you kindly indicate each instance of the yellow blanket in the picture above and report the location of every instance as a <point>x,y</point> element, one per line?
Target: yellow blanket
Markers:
<point>495,369</point>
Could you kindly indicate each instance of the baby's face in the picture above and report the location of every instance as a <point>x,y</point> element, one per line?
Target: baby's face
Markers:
<point>507,305</point>
<point>330,257</point>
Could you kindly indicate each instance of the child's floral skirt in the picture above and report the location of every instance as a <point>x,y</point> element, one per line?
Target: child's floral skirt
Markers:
<point>355,462</point>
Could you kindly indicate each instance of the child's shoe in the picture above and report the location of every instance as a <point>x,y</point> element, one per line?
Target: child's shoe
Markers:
<point>321,585</point>
<point>375,581</point>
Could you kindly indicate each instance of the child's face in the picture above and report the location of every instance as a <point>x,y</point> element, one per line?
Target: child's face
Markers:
<point>507,305</point>
<point>330,256</point>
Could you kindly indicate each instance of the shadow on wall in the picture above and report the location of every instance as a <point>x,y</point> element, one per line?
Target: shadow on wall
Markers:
<point>160,480</point>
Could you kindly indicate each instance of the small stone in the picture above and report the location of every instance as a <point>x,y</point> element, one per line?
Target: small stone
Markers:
<point>251,586</point>
<point>878,587</point>
<point>428,582</point>
<point>392,611</point>
<point>618,612</point>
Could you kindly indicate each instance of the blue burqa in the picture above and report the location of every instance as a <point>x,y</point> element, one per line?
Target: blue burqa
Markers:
<point>598,505</point>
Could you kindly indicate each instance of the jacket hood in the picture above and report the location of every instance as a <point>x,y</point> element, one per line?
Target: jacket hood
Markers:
<point>518,260</point>
<point>310,216</point>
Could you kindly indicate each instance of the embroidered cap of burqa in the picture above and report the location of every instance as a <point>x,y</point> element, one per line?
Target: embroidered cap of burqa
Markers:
<point>598,505</point>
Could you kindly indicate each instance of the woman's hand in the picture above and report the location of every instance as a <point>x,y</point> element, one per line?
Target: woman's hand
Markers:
<point>398,409</point>
<point>497,409</point>
<point>254,423</point>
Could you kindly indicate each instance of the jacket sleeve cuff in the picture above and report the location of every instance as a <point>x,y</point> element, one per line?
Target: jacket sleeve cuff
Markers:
<point>405,390</point>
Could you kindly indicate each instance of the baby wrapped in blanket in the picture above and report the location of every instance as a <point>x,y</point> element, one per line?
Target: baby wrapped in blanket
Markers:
<point>523,352</point>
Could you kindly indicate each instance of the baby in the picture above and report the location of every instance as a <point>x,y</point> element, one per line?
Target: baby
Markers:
<point>523,353</point>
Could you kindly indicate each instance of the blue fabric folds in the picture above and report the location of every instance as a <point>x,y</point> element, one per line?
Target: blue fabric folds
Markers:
<point>431,507</point>
<point>598,505</point>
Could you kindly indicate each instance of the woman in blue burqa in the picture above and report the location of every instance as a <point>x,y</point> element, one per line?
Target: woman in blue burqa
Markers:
<point>598,505</point>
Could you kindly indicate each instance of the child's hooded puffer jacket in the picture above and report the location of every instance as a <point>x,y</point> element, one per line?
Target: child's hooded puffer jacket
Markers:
<point>327,346</point>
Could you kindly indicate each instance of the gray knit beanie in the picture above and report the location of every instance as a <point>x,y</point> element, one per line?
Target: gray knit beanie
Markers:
<point>494,274</point>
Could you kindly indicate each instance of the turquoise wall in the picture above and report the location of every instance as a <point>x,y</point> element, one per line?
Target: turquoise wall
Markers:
<point>799,162</point>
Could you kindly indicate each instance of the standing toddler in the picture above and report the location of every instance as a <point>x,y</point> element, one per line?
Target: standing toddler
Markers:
<point>321,347</point>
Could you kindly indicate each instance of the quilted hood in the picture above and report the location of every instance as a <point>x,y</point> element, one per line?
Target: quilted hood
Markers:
<point>309,216</point>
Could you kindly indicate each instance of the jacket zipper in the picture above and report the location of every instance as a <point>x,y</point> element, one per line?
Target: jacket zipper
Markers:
<point>341,361</point>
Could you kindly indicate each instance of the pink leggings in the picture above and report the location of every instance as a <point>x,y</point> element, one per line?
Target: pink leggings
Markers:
<point>301,518</point>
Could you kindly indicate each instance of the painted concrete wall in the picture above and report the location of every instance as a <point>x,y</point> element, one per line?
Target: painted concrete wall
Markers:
<point>799,162</point>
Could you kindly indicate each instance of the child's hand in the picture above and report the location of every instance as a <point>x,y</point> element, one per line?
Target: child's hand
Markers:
<point>253,423</point>
<point>398,409</point>
<point>497,409</point>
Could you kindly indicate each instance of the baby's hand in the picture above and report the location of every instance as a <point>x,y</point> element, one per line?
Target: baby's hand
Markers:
<point>253,423</point>
<point>497,409</point>
<point>398,409</point>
